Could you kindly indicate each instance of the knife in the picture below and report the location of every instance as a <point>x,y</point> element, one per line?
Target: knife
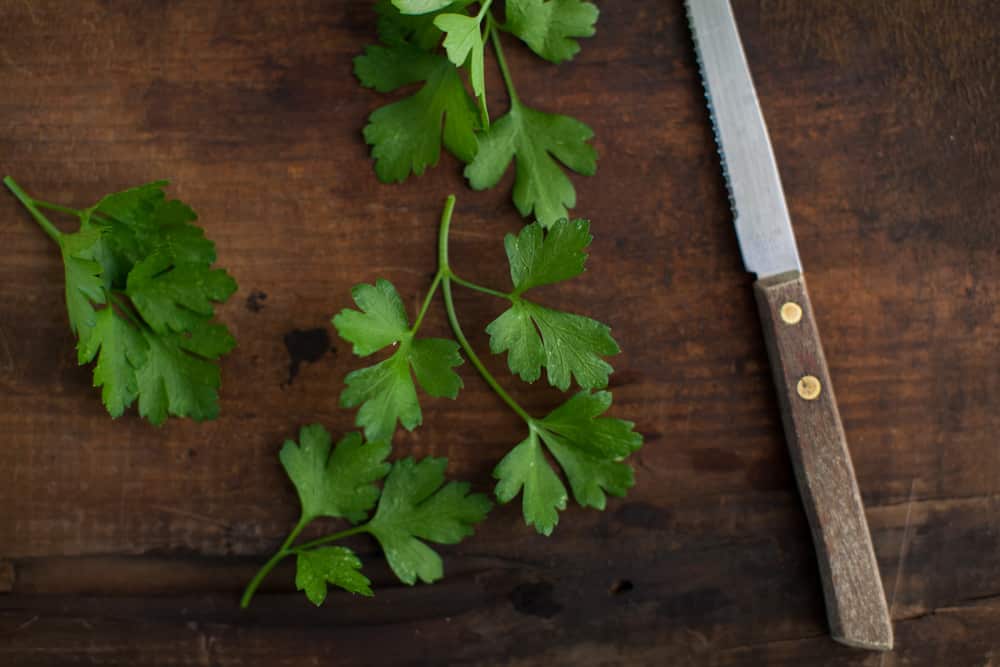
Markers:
<point>855,599</point>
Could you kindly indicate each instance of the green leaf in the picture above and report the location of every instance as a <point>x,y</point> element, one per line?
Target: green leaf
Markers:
<point>420,6</point>
<point>174,382</point>
<point>340,484</point>
<point>406,136</point>
<point>381,322</point>
<point>589,448</point>
<point>386,69</point>
<point>536,139</point>
<point>549,27</point>
<point>386,395</point>
<point>396,28</point>
<point>140,222</point>
<point>84,283</point>
<point>386,392</point>
<point>315,568</point>
<point>123,351</point>
<point>515,333</point>
<point>538,258</point>
<point>525,468</point>
<point>464,41</point>
<point>414,507</point>
<point>569,346</point>
<point>175,297</point>
<point>432,360</point>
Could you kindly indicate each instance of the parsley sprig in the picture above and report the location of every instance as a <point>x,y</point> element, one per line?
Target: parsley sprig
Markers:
<point>414,506</point>
<point>588,447</point>
<point>406,136</point>
<point>141,295</point>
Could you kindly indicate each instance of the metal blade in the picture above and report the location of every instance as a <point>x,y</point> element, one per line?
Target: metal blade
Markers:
<point>761,214</point>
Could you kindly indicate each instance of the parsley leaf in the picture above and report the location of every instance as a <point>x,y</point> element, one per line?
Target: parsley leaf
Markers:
<point>414,507</point>
<point>339,484</point>
<point>525,467</point>
<point>406,136</point>
<point>141,295</point>
<point>84,285</point>
<point>335,565</point>
<point>464,42</point>
<point>395,27</point>
<point>569,346</point>
<point>174,296</point>
<point>539,258</point>
<point>179,377</point>
<point>386,392</point>
<point>120,352</point>
<point>549,26</point>
<point>590,450</point>
<point>535,139</point>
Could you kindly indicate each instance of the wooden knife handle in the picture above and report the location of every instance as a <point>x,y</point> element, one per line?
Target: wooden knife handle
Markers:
<point>855,599</point>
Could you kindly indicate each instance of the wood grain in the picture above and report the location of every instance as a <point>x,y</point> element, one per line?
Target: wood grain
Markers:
<point>129,543</point>
<point>852,586</point>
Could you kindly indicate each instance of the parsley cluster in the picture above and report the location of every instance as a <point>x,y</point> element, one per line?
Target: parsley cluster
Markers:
<point>406,136</point>
<point>414,506</point>
<point>141,295</point>
<point>587,446</point>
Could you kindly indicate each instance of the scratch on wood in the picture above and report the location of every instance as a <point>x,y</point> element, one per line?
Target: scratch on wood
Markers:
<point>191,515</point>
<point>903,545</point>
<point>24,626</point>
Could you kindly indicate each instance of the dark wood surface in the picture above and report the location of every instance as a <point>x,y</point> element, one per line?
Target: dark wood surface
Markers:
<point>124,544</point>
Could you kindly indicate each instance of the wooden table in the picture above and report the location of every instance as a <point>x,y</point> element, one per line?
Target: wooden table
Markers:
<point>125,544</point>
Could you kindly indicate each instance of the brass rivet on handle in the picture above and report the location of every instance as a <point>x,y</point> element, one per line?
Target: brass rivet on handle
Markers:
<point>809,387</point>
<point>791,313</point>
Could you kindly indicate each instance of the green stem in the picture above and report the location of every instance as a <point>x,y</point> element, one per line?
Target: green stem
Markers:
<point>443,231</point>
<point>444,269</point>
<point>58,207</point>
<point>477,287</point>
<point>29,204</point>
<point>484,112</point>
<point>279,556</point>
<point>426,304</point>
<point>331,538</point>
<point>502,62</point>
<point>124,307</point>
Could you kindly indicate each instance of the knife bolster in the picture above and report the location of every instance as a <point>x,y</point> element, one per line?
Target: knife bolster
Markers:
<point>852,586</point>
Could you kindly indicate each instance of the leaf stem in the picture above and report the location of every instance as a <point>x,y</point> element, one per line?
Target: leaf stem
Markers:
<point>484,112</point>
<point>29,204</point>
<point>502,63</point>
<point>444,269</point>
<point>122,306</point>
<point>58,207</point>
<point>477,287</point>
<point>331,538</point>
<point>426,304</point>
<point>279,556</point>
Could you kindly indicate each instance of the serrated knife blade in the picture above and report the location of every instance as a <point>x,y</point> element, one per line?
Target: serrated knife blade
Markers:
<point>758,200</point>
<point>817,444</point>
